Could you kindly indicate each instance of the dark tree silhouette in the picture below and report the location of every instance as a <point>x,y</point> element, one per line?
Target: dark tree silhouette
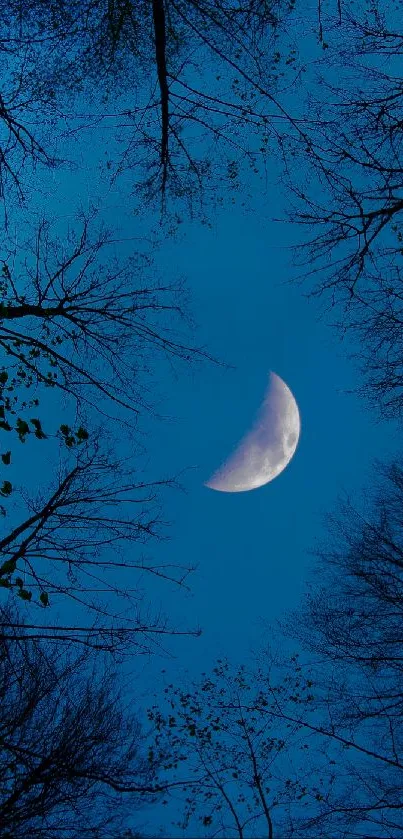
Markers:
<point>362,570</point>
<point>346,187</point>
<point>192,84</point>
<point>74,316</point>
<point>29,115</point>
<point>239,761</point>
<point>72,756</point>
<point>351,622</point>
<point>81,542</point>
<point>318,738</point>
<point>279,750</point>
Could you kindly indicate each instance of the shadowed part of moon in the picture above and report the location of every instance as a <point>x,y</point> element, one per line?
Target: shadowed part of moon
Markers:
<point>267,449</point>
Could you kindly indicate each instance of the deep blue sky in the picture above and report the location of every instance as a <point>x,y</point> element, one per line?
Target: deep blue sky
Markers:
<point>251,548</point>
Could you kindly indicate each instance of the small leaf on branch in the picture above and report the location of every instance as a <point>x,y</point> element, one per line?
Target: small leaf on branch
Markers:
<point>44,598</point>
<point>24,594</point>
<point>22,428</point>
<point>39,433</point>
<point>8,567</point>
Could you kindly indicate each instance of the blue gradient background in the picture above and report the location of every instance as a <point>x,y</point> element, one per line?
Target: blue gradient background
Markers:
<point>250,548</point>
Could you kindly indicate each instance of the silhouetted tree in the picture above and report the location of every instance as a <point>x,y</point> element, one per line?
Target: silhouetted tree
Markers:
<point>355,615</point>
<point>28,118</point>
<point>245,771</point>
<point>72,756</point>
<point>313,745</point>
<point>351,622</point>
<point>345,182</point>
<point>192,84</point>
<point>73,317</point>
<point>80,541</point>
<point>88,328</point>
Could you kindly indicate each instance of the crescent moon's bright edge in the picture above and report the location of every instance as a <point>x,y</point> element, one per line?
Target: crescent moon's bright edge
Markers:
<point>265,450</point>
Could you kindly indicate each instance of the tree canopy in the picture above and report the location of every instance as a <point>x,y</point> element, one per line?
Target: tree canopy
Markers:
<point>189,86</point>
<point>69,746</point>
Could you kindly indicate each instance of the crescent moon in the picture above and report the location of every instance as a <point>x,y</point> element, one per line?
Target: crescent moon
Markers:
<point>267,449</point>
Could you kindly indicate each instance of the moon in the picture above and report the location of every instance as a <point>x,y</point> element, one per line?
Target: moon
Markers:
<point>265,450</point>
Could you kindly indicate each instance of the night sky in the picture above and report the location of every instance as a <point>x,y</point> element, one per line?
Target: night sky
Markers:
<point>252,548</point>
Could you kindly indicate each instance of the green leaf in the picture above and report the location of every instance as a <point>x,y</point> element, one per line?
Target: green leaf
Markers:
<point>22,429</point>
<point>5,583</point>
<point>3,377</point>
<point>39,433</point>
<point>5,425</point>
<point>81,433</point>
<point>44,598</point>
<point>18,582</point>
<point>8,567</point>
<point>6,458</point>
<point>6,489</point>
<point>24,594</point>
